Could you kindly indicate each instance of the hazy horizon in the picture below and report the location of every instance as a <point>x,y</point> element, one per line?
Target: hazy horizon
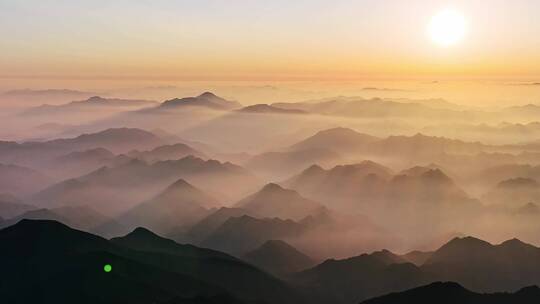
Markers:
<point>265,40</point>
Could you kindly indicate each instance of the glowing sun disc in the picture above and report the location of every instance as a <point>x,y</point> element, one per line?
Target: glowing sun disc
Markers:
<point>447,27</point>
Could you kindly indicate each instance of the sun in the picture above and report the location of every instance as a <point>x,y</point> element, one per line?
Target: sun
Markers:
<point>447,27</point>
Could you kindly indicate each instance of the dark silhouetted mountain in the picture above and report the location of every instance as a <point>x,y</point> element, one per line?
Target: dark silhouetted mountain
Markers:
<point>483,267</point>
<point>168,152</point>
<point>279,258</point>
<point>79,217</point>
<point>359,278</point>
<point>10,206</point>
<point>451,293</point>
<point>437,241</point>
<point>473,263</point>
<point>417,257</point>
<point>207,265</point>
<point>179,204</point>
<point>337,139</point>
<point>145,240</point>
<point>268,109</point>
<point>43,255</point>
<point>38,256</point>
<point>21,181</point>
<point>238,235</point>
<point>282,164</point>
<point>219,299</point>
<point>274,201</point>
<point>125,184</point>
<point>206,99</point>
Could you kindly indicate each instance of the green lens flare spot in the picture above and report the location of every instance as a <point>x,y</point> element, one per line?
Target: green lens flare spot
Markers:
<point>107,268</point>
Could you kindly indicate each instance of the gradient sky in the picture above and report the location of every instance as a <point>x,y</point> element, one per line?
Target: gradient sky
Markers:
<point>261,39</point>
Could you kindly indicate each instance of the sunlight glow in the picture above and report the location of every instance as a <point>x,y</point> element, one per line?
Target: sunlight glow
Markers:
<point>447,27</point>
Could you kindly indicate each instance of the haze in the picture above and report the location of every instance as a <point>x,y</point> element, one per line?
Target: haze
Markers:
<point>242,152</point>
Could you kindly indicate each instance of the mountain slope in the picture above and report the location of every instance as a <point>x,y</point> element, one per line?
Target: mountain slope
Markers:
<point>283,164</point>
<point>343,185</point>
<point>116,140</point>
<point>39,256</point>
<point>10,206</point>
<point>279,258</point>
<point>451,293</point>
<point>167,152</point>
<point>274,201</point>
<point>514,192</point>
<point>79,217</point>
<point>337,139</point>
<point>238,235</point>
<point>481,266</point>
<point>214,267</point>
<point>206,226</point>
<point>179,204</point>
<point>361,277</point>
<point>21,181</point>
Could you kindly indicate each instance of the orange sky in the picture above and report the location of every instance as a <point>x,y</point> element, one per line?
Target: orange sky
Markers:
<point>274,40</point>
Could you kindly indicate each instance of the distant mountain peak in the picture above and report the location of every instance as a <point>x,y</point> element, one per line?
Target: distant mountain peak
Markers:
<point>29,223</point>
<point>420,170</point>
<point>313,170</point>
<point>277,256</point>
<point>272,187</point>
<point>338,138</point>
<point>467,241</point>
<point>436,174</point>
<point>95,98</point>
<point>269,193</point>
<point>180,184</point>
<point>366,166</point>
<point>518,182</point>
<point>206,99</point>
<point>142,233</point>
<point>337,130</point>
<point>208,95</point>
<point>515,243</point>
<point>459,248</point>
